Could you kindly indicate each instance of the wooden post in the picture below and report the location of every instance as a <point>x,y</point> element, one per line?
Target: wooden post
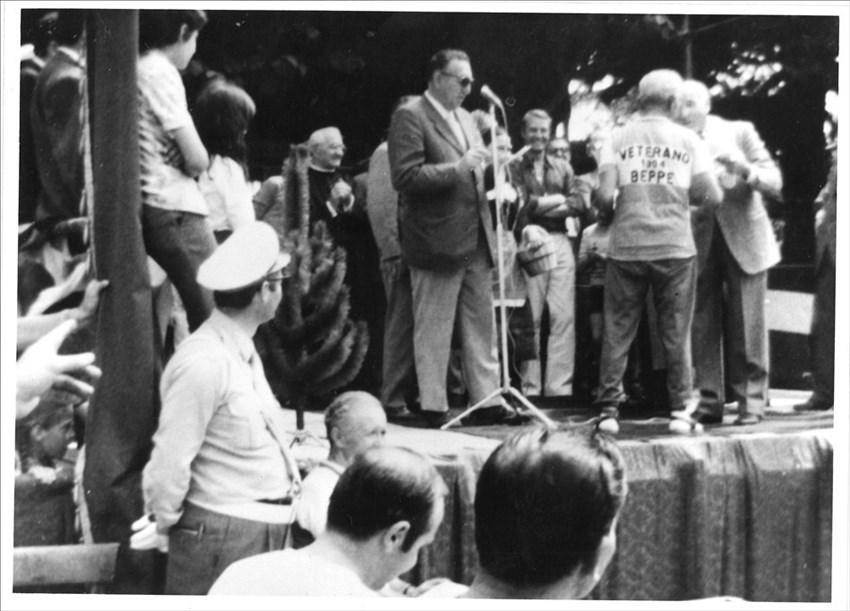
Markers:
<point>123,412</point>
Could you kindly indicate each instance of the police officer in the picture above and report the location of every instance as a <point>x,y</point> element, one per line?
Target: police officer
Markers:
<point>220,482</point>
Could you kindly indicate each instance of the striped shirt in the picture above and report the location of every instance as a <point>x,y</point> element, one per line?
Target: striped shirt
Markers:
<point>162,110</point>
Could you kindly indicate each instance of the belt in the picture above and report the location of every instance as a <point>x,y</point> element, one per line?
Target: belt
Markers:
<point>284,501</point>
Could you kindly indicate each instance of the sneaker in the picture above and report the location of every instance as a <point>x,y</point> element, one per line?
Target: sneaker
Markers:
<point>609,421</point>
<point>681,423</point>
<point>813,405</point>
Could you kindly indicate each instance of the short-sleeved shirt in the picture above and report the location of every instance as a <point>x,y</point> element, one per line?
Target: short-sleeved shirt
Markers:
<point>312,509</point>
<point>655,161</point>
<point>289,573</point>
<point>162,110</point>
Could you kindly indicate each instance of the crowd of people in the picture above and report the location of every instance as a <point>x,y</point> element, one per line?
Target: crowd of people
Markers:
<point>658,245</point>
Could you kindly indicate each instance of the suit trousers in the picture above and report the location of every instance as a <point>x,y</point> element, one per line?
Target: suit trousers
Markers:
<point>822,336</point>
<point>730,333</point>
<point>673,284</point>
<point>438,298</point>
<point>398,388</point>
<point>204,543</point>
<point>557,289</point>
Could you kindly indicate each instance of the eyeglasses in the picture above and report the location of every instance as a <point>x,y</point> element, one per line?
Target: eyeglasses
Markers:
<point>464,81</point>
<point>559,151</point>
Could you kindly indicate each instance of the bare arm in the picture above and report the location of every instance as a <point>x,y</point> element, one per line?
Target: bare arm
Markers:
<point>195,157</point>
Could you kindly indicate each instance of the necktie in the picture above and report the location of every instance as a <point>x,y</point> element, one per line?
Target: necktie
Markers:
<point>458,131</point>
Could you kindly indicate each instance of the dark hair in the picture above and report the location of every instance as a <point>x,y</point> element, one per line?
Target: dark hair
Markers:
<point>222,114</point>
<point>544,501</point>
<point>238,299</point>
<point>44,32</point>
<point>442,58</point>
<point>385,485</point>
<point>70,26</point>
<point>161,28</point>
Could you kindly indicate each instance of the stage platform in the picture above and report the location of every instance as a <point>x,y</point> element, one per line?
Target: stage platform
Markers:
<point>737,511</point>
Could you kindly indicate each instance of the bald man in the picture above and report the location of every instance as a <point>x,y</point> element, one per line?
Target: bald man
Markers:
<point>355,421</point>
<point>735,248</point>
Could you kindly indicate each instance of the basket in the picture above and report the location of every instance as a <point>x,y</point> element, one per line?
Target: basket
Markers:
<point>538,260</point>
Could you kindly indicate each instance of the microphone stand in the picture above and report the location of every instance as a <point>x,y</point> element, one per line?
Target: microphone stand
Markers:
<point>506,390</point>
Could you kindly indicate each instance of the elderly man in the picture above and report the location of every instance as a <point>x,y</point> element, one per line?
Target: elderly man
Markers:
<point>332,201</point>
<point>355,421</point>
<point>555,201</point>
<point>220,481</point>
<point>385,508</point>
<point>657,169</point>
<point>735,248</point>
<point>437,161</point>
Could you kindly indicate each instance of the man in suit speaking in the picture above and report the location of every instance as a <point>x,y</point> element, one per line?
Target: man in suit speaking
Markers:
<point>447,240</point>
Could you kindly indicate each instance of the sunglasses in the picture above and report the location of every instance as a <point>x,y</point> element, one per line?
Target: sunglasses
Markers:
<point>559,151</point>
<point>464,81</point>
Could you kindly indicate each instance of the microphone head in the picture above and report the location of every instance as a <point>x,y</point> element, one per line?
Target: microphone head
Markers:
<point>488,93</point>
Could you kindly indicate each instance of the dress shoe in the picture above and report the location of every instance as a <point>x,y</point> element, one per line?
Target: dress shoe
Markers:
<point>494,414</point>
<point>420,420</point>
<point>708,416</point>
<point>748,419</point>
<point>813,405</point>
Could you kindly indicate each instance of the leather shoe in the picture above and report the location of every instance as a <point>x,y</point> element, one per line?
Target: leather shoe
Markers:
<point>420,420</point>
<point>704,416</point>
<point>813,406</point>
<point>495,414</point>
<point>747,419</point>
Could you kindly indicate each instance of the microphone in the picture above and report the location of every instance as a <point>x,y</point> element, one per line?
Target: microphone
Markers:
<point>492,97</point>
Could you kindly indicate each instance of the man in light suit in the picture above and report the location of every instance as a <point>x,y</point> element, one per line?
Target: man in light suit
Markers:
<point>437,161</point>
<point>735,247</point>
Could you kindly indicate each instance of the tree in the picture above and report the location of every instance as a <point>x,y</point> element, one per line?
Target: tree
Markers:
<point>311,347</point>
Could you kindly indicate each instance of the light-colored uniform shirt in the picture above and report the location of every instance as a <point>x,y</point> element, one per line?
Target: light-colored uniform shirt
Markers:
<point>289,573</point>
<point>227,193</point>
<point>655,160</point>
<point>162,110</point>
<point>312,509</point>
<point>220,442</point>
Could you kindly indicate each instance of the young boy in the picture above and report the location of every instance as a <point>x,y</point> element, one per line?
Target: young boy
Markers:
<point>174,211</point>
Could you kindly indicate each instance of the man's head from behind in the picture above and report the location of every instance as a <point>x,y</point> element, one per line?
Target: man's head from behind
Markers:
<point>450,77</point>
<point>390,502</point>
<point>658,91</point>
<point>545,511</point>
<point>173,31</point>
<point>355,421</point>
<point>693,105</point>
<point>326,148</point>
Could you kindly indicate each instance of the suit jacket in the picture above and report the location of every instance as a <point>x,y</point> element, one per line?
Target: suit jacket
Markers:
<point>825,220</point>
<point>57,133</point>
<point>741,216</point>
<point>442,209</point>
